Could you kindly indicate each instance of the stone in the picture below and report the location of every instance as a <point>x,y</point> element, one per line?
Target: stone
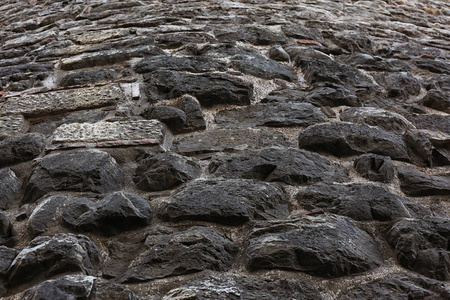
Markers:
<point>421,245</point>
<point>163,171</point>
<point>189,251</point>
<point>389,121</point>
<point>110,134</point>
<point>366,61</point>
<point>87,77</point>
<point>173,117</point>
<point>438,100</point>
<point>6,231</point>
<point>21,148</point>
<point>29,39</point>
<point>225,201</point>
<point>289,165</point>
<point>299,51</point>
<point>232,287</point>
<point>433,122</point>
<point>260,67</point>
<point>375,167</point>
<point>428,148</point>
<point>432,65</point>
<point>195,119</point>
<point>209,88</point>
<point>47,256</point>
<point>277,52</point>
<point>12,125</point>
<point>78,170</point>
<point>253,34</point>
<point>270,114</point>
<point>399,287</point>
<point>323,245</point>
<point>361,202</point>
<point>346,139</point>
<point>415,183</point>
<point>61,101</point>
<point>7,256</point>
<point>44,214</point>
<point>227,139</point>
<point>401,85</point>
<point>10,186</point>
<point>115,213</point>
<point>192,64</point>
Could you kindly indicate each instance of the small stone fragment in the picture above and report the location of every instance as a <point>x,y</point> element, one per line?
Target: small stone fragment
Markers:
<point>260,67</point>
<point>278,53</point>
<point>44,214</point>
<point>10,186</point>
<point>415,183</point>
<point>375,167</point>
<point>21,148</point>
<point>173,117</point>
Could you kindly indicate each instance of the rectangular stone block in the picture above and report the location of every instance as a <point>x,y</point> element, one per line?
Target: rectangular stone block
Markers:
<point>110,134</point>
<point>61,101</point>
<point>11,125</point>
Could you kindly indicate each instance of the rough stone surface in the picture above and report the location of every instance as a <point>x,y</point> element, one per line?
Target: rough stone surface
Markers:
<point>90,76</point>
<point>192,64</point>
<point>10,186</point>
<point>20,148</point>
<point>78,170</point>
<point>327,246</point>
<point>44,214</point>
<point>431,122</point>
<point>437,100</point>
<point>375,167</point>
<point>288,165</point>
<point>6,231</point>
<point>399,85</point>
<point>11,125</point>
<point>415,183</point>
<point>263,68</point>
<point>225,201</point>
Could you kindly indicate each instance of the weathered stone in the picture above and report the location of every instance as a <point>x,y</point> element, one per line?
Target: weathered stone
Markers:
<point>389,121</point>
<point>193,64</point>
<point>87,77</point>
<point>157,172</point>
<point>173,117</point>
<point>345,139</point>
<point>260,67</point>
<point>400,85</point>
<point>47,256</point>
<point>288,165</point>
<point>273,115</point>
<point>325,245</point>
<point>278,53</point>
<point>29,39</point>
<point>7,256</point>
<point>209,88</point>
<point>252,34</point>
<point>78,170</point>
<point>109,134</point>
<point>299,51</point>
<point>375,167</point>
<point>437,100</point>
<point>20,148</point>
<point>428,148</point>
<point>415,183</point>
<point>432,65</point>
<point>11,125</point>
<point>232,287</point>
<point>358,201</point>
<point>10,186</point>
<point>194,114</point>
<point>6,231</point>
<point>44,214</point>
<point>173,40</point>
<point>431,122</point>
<point>226,139</point>
<point>61,101</point>
<point>422,245</point>
<point>115,213</point>
<point>225,201</point>
<point>366,61</point>
<point>399,287</point>
<point>182,252</point>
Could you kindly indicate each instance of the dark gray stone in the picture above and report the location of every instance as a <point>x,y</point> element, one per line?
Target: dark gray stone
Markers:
<point>375,167</point>
<point>115,213</point>
<point>428,149</point>
<point>64,288</point>
<point>432,65</point>
<point>194,114</point>
<point>87,77</point>
<point>162,171</point>
<point>225,201</point>
<point>345,139</point>
<point>271,114</point>
<point>10,186</point>
<point>6,231</point>
<point>431,122</point>
<point>209,88</point>
<point>415,183</point>
<point>227,139</point>
<point>252,34</point>
<point>278,53</point>
<point>7,256</point>
<point>421,245</point>
<point>358,201</point>
<point>20,148</point>
<point>232,287</point>
<point>399,287</point>
<point>173,117</point>
<point>260,67</point>
<point>47,256</point>
<point>326,245</point>
<point>193,64</point>
<point>44,214</point>
<point>401,85</point>
<point>438,100</point>
<point>189,251</point>
<point>78,170</point>
<point>288,165</point>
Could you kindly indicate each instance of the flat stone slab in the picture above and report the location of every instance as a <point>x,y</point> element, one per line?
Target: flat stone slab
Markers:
<point>109,134</point>
<point>61,101</point>
<point>11,125</point>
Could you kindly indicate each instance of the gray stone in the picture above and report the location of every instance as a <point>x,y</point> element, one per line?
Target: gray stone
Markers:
<point>278,53</point>
<point>225,201</point>
<point>12,125</point>
<point>433,122</point>
<point>194,114</point>
<point>273,115</point>
<point>227,139</point>
<point>325,245</point>
<point>345,139</point>
<point>288,165</point>
<point>438,100</point>
<point>401,85</point>
<point>157,172</point>
<point>252,34</point>
<point>375,167</point>
<point>260,67</point>
<point>432,65</point>
<point>358,201</point>
<point>10,186</point>
<point>192,250</point>
<point>63,288</point>
<point>7,256</point>
<point>173,117</point>
<point>87,77</point>
<point>46,256</point>
<point>6,231</point>
<point>44,214</point>
<point>415,183</point>
<point>428,148</point>
<point>78,170</point>
<point>193,64</point>
<point>21,148</point>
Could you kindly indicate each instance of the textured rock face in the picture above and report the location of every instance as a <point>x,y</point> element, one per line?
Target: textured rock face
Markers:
<point>217,149</point>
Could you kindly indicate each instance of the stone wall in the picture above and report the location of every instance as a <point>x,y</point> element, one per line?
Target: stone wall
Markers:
<point>224,149</point>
